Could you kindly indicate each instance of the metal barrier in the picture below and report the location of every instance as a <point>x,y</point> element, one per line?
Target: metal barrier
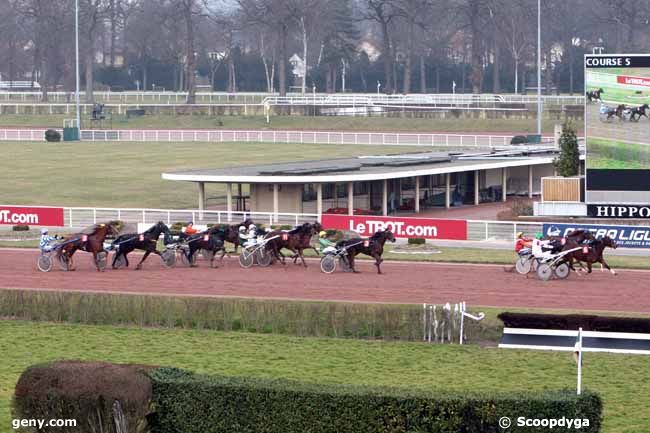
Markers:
<point>83,217</point>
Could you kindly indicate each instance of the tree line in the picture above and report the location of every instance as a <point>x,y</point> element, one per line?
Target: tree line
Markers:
<point>388,46</point>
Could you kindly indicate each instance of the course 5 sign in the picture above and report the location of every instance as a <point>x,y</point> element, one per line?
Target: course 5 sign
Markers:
<point>625,236</point>
<point>37,216</point>
<point>426,228</point>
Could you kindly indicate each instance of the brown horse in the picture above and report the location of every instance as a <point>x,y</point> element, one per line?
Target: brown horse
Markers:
<point>90,240</point>
<point>373,247</point>
<point>232,235</point>
<point>296,240</point>
<point>590,254</point>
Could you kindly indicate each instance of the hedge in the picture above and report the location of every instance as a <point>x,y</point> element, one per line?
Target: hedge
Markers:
<point>575,321</point>
<point>188,403</point>
<point>101,397</point>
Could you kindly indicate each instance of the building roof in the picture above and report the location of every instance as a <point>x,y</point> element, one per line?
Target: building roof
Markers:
<point>371,167</point>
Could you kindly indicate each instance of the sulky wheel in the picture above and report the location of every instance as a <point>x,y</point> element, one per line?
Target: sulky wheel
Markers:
<point>562,271</point>
<point>65,262</point>
<point>101,260</point>
<point>263,257</point>
<point>328,264</point>
<point>246,259</point>
<point>44,263</point>
<point>168,258</point>
<point>544,271</point>
<point>524,265</point>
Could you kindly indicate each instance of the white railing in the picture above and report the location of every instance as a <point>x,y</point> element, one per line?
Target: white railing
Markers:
<point>82,217</point>
<point>23,134</point>
<point>76,217</point>
<point>304,137</point>
<point>253,98</point>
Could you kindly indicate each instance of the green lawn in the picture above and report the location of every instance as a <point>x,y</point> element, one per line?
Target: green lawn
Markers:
<point>621,95</point>
<point>300,122</point>
<point>623,381</point>
<point>612,154</point>
<point>124,174</point>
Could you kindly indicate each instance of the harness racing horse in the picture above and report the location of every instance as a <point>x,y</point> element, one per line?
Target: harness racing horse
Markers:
<point>146,242</point>
<point>232,235</point>
<point>594,95</point>
<point>296,240</point>
<point>91,241</point>
<point>590,254</point>
<point>211,240</point>
<point>373,247</point>
<point>639,111</point>
<point>618,112</point>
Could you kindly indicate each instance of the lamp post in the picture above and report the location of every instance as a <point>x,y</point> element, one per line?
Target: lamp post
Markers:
<point>76,37</point>
<point>539,67</point>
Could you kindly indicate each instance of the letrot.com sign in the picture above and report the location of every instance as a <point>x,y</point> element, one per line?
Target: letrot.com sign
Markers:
<point>426,228</point>
<point>38,216</point>
<point>625,236</point>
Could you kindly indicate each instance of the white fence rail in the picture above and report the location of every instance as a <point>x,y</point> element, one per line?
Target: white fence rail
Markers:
<point>305,137</point>
<point>22,134</point>
<point>77,217</point>
<point>253,98</point>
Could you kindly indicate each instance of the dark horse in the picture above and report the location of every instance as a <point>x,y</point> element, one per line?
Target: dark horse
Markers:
<point>232,235</point>
<point>211,240</point>
<point>618,112</point>
<point>91,240</point>
<point>639,111</point>
<point>296,240</point>
<point>373,247</point>
<point>594,95</point>
<point>146,242</point>
<point>590,254</point>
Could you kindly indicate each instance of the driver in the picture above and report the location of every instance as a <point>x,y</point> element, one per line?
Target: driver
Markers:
<point>522,242</point>
<point>326,246</point>
<point>541,247</point>
<point>251,238</point>
<point>44,243</point>
<point>190,230</point>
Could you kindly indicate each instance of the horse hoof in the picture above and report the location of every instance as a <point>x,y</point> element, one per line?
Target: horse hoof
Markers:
<point>137,268</point>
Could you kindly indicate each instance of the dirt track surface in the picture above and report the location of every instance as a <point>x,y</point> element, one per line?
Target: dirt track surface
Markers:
<point>616,129</point>
<point>484,285</point>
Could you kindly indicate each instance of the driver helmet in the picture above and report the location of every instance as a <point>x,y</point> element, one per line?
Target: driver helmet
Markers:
<point>44,231</point>
<point>242,229</point>
<point>539,236</point>
<point>520,235</point>
<point>252,227</point>
<point>322,234</point>
<point>190,223</point>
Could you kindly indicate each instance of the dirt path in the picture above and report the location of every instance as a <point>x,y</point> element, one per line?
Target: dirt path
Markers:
<point>485,285</point>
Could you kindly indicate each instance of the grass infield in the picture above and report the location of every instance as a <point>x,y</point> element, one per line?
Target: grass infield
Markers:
<point>612,154</point>
<point>622,380</point>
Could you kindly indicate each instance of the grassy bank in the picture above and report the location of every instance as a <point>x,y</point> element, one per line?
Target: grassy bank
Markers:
<point>612,154</point>
<point>375,124</point>
<point>123,174</point>
<point>623,381</point>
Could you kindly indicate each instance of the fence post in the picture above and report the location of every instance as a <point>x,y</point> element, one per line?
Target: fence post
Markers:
<point>70,216</point>
<point>94,216</point>
<point>486,231</point>
<point>169,217</point>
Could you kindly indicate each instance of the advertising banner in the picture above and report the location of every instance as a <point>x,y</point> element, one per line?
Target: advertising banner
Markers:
<point>625,236</point>
<point>30,215</point>
<point>427,228</point>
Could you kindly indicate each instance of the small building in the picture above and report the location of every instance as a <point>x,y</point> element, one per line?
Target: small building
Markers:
<point>380,184</point>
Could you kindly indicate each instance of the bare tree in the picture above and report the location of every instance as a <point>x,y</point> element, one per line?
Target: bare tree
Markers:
<point>383,12</point>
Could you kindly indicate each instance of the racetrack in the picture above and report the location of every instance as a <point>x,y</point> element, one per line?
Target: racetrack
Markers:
<point>403,282</point>
<point>615,129</point>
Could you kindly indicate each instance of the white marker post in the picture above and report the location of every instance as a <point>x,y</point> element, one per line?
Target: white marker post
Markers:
<point>579,347</point>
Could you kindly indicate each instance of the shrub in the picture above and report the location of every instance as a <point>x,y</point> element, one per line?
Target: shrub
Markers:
<point>230,404</point>
<point>519,139</point>
<point>568,162</point>
<point>52,135</point>
<point>20,228</point>
<point>95,394</point>
<point>521,207</point>
<point>416,241</point>
<point>177,226</point>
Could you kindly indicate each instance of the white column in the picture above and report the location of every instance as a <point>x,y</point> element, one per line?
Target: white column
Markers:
<point>384,198</point>
<point>350,198</point>
<point>201,198</point>
<point>447,190</point>
<point>276,205</point>
<point>319,200</point>
<point>417,194</point>
<point>504,184</point>
<point>229,200</point>
<point>530,181</point>
<point>477,185</point>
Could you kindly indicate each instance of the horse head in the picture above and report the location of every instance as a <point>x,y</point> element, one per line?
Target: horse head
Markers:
<point>609,242</point>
